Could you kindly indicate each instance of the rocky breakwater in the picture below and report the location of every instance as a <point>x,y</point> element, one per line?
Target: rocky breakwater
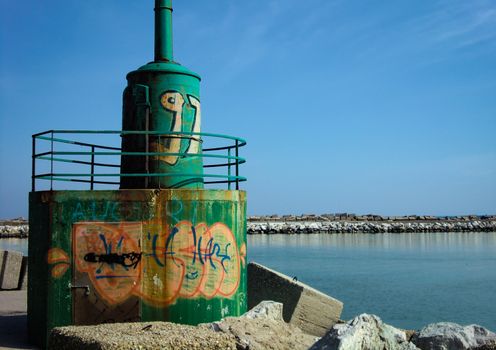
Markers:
<point>330,223</point>
<point>350,223</point>
<point>15,228</point>
<point>370,332</point>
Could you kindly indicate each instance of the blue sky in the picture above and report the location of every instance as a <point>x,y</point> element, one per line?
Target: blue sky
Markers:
<point>383,107</point>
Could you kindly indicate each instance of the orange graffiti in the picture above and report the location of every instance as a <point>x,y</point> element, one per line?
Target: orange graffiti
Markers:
<point>188,261</point>
<point>100,250</point>
<point>242,253</point>
<point>60,261</point>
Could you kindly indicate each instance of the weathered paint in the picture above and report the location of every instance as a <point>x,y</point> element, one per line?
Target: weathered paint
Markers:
<point>172,255</point>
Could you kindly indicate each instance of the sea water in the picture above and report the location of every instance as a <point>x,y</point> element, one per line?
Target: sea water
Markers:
<point>15,244</point>
<point>409,279</point>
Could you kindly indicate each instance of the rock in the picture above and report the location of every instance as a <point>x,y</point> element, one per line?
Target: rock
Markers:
<point>262,333</point>
<point>267,309</point>
<point>304,307</point>
<point>348,223</point>
<point>452,336</point>
<point>364,332</point>
<point>14,231</point>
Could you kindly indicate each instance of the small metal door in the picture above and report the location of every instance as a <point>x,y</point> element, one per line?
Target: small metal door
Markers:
<point>107,272</point>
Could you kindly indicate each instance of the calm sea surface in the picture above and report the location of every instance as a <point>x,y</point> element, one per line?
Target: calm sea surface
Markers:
<point>409,280</point>
<point>20,245</point>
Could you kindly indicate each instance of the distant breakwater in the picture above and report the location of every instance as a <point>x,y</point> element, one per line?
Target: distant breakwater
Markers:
<point>368,224</point>
<point>331,223</point>
<point>14,230</point>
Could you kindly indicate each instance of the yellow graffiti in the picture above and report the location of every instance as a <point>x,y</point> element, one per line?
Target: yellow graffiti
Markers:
<point>173,102</point>
<point>194,145</point>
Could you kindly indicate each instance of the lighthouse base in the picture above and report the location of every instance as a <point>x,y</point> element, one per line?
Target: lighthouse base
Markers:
<point>135,255</point>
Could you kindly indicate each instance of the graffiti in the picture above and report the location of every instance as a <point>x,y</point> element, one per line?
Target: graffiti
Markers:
<point>194,143</point>
<point>186,261</point>
<point>174,102</point>
<point>96,211</point>
<point>196,260</point>
<point>126,260</point>
<point>109,211</point>
<point>59,261</point>
<point>242,254</point>
<point>113,282</point>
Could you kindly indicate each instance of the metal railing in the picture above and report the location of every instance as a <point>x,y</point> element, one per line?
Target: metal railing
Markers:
<point>220,156</point>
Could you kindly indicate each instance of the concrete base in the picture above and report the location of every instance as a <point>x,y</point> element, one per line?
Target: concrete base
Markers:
<point>310,310</point>
<point>137,234</point>
<point>10,269</point>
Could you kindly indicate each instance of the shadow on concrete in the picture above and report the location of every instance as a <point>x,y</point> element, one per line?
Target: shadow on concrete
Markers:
<point>14,332</point>
<point>266,284</point>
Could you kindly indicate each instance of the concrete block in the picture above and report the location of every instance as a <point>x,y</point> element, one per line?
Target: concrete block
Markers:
<point>307,308</point>
<point>10,270</point>
<point>139,335</point>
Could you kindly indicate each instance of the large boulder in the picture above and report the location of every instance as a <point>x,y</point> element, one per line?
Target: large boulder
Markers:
<point>452,336</point>
<point>364,332</point>
<point>261,334</point>
<point>263,328</point>
<point>267,309</point>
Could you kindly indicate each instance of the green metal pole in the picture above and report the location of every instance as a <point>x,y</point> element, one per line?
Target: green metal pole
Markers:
<point>163,31</point>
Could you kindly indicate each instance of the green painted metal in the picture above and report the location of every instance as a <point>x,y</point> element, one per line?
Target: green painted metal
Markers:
<point>163,30</point>
<point>53,253</point>
<point>128,132</point>
<point>156,117</point>
<point>164,97</point>
<point>222,154</point>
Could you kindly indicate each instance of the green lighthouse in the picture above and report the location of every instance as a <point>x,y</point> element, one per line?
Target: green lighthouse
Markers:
<point>148,239</point>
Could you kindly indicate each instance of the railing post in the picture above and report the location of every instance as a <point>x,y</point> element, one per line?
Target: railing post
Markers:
<point>51,162</point>
<point>33,165</point>
<point>158,160</point>
<point>237,165</point>
<point>147,146</point>
<point>229,168</point>
<point>92,167</point>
